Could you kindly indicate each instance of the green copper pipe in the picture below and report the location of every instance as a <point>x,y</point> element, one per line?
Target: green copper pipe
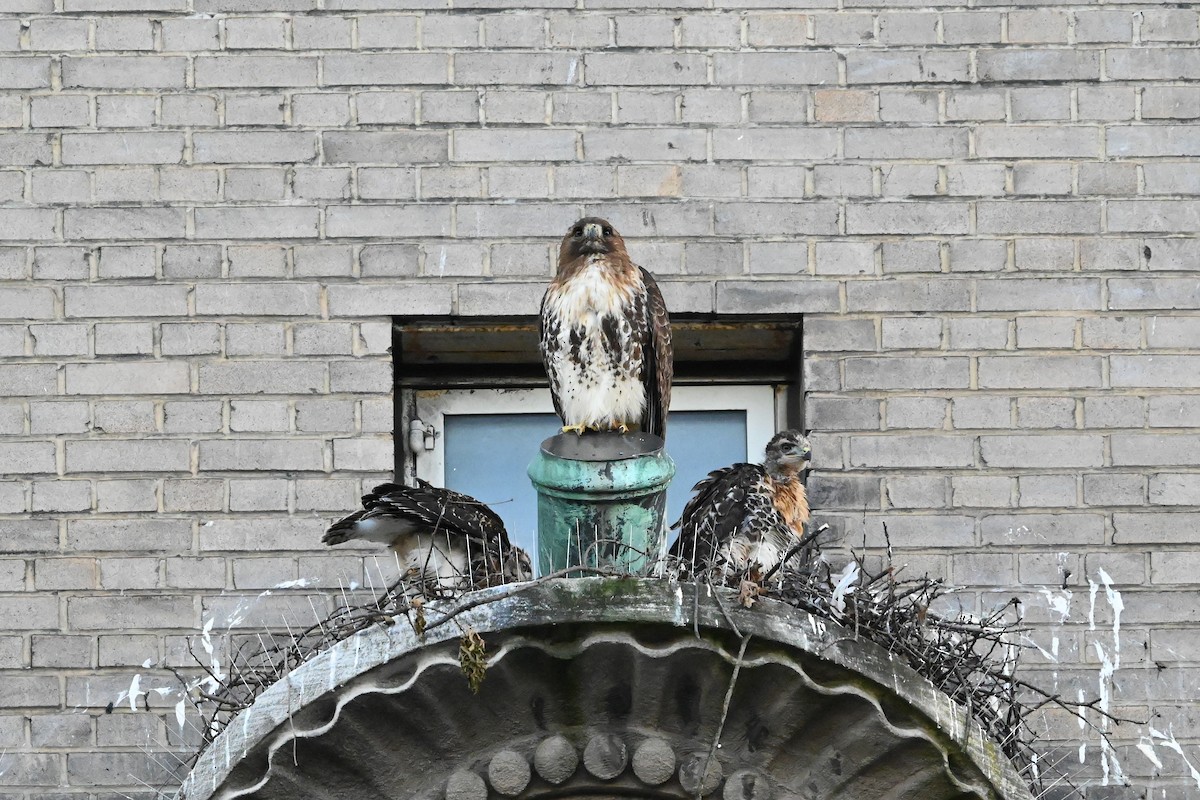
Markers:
<point>602,501</point>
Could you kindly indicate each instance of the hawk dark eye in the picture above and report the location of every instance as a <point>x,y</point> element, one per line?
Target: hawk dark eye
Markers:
<point>577,231</point>
<point>608,231</point>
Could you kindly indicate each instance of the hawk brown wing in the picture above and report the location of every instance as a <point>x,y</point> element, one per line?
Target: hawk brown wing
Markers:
<point>547,341</point>
<point>660,366</point>
<point>733,510</point>
<point>714,513</point>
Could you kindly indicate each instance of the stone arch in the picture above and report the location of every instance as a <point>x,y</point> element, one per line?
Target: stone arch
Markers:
<point>599,688</point>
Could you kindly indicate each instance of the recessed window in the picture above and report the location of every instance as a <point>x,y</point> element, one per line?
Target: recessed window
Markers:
<point>472,408</point>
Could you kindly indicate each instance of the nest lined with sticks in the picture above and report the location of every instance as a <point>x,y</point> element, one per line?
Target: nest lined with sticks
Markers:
<point>971,659</point>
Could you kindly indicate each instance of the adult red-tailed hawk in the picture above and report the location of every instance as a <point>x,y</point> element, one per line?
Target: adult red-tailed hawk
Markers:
<point>605,336</point>
<point>445,541</point>
<point>745,518</point>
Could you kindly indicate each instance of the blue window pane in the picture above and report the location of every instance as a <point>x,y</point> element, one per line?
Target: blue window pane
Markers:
<point>486,456</point>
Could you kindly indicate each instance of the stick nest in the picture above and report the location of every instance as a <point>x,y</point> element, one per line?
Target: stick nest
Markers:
<point>974,660</point>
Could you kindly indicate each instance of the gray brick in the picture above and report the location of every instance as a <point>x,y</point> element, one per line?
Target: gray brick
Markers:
<point>261,454</point>
<point>125,338</point>
<point>124,223</point>
<point>1166,371</point>
<point>1174,489</point>
<point>832,335</point>
<point>905,28</point>
<point>978,255</point>
<point>1021,372</point>
<point>515,145</point>
<point>907,217</point>
<point>1044,450</point>
<point>971,27</point>
<point>913,256</point>
<point>537,69</point>
<point>259,71</point>
<point>975,105</point>
<point>901,372</point>
<point>1103,26</point>
<point>1170,177</point>
<point>256,223</point>
<point>123,417</point>
<point>1112,333</point>
<point>1152,63</point>
<point>844,492</point>
<point>775,218</point>
<point>1152,140</point>
<point>830,413</point>
<point>1027,294</point>
<point>910,180</point>
<point>1039,65</point>
<point>1172,254</point>
<point>1046,412</point>
<point>982,491</point>
<point>627,144</point>
<point>978,334</point>
<point>983,569</point>
<point>798,296</point>
<point>768,106</point>
<point>367,221</point>
<point>1174,411</point>
<point>124,72</point>
<point>916,412</point>
<point>771,69</point>
<point>900,66</point>
<point>1045,332</point>
<point>385,147</point>
<point>751,145</point>
<point>1042,103</point>
<point>906,143</point>
<point>20,224</point>
<point>257,377</point>
<point>1037,141</point>
<point>1046,530</point>
<point>838,180</point>
<point>1026,217</point>
<point>908,295</point>
<point>1152,528</point>
<point>293,299</point>
<point>225,147</point>
<point>1106,102</point>
<point>126,301</point>
<point>258,416</point>
<point>127,456</point>
<point>832,258</point>
<point>59,111</point>
<point>1153,293</point>
<point>780,181</point>
<point>171,377</point>
<point>910,333</point>
<point>917,492</point>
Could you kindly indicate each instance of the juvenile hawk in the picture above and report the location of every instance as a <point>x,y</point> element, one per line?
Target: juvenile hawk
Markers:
<point>605,336</point>
<point>445,541</point>
<point>744,518</point>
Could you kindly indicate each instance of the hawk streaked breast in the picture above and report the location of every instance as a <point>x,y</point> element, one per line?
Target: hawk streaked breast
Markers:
<point>605,336</point>
<point>744,518</point>
<point>445,541</point>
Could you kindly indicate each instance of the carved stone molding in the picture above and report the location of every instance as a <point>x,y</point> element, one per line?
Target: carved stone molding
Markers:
<point>601,687</point>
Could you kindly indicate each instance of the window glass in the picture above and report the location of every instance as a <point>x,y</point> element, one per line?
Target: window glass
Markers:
<point>485,439</point>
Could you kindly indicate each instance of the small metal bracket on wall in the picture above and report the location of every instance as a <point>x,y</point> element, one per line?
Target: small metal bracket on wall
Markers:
<point>421,437</point>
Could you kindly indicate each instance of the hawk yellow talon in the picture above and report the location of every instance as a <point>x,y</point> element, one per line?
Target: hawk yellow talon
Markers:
<point>577,429</point>
<point>622,427</point>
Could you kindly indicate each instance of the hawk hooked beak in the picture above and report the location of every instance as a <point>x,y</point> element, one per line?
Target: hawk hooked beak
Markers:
<point>593,231</point>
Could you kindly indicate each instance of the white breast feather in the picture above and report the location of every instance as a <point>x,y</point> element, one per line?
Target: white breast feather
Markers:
<point>439,559</point>
<point>598,390</point>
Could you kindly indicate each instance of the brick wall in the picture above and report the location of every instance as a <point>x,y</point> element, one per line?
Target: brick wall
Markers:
<point>210,208</point>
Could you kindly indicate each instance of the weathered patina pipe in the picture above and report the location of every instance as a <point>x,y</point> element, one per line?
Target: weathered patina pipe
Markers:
<point>602,500</point>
